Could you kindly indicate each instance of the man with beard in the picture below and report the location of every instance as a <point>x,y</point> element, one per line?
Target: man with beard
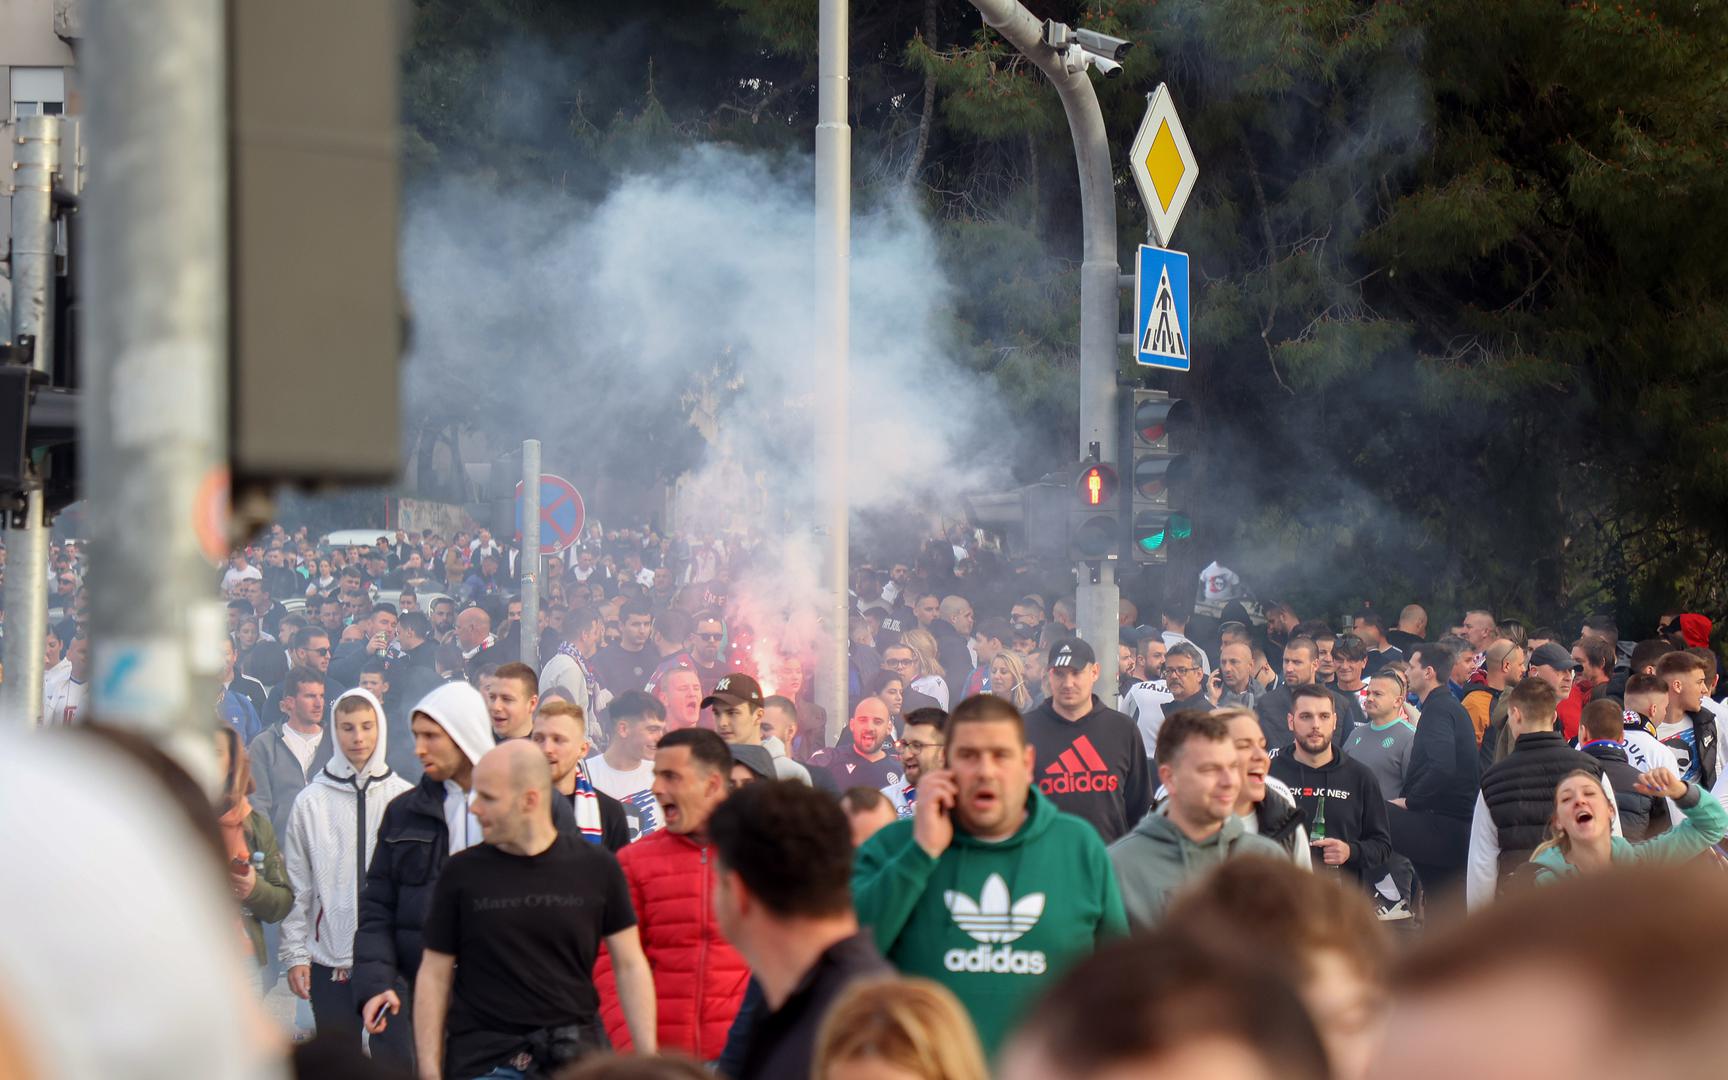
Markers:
<point>921,748</point>
<point>1339,797</point>
<point>1146,700</point>
<point>1383,743</point>
<point>1302,667</point>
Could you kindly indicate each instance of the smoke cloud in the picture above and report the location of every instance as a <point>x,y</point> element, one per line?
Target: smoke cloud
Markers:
<point>598,327</point>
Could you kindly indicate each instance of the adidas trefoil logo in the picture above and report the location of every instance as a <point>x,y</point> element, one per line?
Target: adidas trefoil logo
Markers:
<point>995,919</point>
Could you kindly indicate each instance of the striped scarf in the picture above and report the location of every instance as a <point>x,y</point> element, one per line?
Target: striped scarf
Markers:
<point>567,649</point>
<point>587,807</point>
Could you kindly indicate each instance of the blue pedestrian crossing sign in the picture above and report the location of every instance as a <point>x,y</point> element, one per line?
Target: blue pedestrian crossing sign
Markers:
<point>1161,309</point>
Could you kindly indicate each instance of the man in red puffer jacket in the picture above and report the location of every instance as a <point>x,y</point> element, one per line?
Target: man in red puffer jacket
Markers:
<point>699,979</point>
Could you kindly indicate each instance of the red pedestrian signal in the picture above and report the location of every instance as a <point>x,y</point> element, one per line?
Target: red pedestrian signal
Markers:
<point>1097,485</point>
<point>1094,531</point>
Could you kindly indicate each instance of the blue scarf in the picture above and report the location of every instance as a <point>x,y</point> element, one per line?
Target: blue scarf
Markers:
<point>587,807</point>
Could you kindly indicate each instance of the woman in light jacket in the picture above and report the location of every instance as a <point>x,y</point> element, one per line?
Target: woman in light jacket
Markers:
<point>1581,839</point>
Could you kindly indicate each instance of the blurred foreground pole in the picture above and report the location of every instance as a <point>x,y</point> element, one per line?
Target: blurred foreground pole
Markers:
<point>155,332</point>
<point>1097,603</point>
<point>833,355</point>
<point>528,560</point>
<point>36,142</point>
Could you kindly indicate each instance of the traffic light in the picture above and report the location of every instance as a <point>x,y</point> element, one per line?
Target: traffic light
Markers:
<point>1160,443</point>
<point>1094,531</point>
<point>1032,519</point>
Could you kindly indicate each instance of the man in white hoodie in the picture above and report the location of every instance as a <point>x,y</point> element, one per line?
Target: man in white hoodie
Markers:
<point>327,858</point>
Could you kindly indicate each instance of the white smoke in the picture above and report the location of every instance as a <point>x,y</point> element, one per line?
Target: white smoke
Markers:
<point>693,283</point>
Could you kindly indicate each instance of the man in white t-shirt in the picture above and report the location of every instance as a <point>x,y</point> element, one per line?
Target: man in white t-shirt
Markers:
<point>63,688</point>
<point>626,770</point>
<point>239,570</point>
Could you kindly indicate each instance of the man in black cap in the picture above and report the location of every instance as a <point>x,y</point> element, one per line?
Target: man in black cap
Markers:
<point>1090,760</point>
<point>738,710</point>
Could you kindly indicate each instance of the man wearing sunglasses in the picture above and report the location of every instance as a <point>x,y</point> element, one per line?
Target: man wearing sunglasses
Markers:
<point>705,647</point>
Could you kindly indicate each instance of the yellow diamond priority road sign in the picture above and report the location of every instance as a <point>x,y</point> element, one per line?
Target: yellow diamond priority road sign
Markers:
<point>1163,164</point>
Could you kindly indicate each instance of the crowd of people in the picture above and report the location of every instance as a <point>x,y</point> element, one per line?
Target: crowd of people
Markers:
<point>654,842</point>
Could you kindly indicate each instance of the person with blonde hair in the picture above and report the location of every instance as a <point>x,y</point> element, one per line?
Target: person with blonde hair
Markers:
<point>1008,679</point>
<point>900,1028</point>
<point>930,677</point>
<point>1580,834</point>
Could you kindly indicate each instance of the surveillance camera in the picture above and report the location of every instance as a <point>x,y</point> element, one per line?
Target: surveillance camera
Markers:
<point>1103,45</point>
<point>1074,59</point>
<point>1107,68</point>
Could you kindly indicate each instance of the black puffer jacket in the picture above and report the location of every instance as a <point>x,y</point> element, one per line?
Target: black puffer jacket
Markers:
<point>1635,810</point>
<point>1519,791</point>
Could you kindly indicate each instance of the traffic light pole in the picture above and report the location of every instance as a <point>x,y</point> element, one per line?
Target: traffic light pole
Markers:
<point>1097,601</point>
<point>833,273</point>
<point>528,565</point>
<point>155,328</point>
<point>36,141</point>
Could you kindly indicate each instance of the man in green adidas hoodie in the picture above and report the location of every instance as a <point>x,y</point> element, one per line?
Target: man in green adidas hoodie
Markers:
<point>988,888</point>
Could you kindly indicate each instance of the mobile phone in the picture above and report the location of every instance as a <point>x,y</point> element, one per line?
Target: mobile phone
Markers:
<point>383,1007</point>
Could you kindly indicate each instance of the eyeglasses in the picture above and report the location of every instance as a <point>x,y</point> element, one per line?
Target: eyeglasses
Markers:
<point>711,637</point>
<point>915,746</point>
<point>325,651</point>
<point>903,662</point>
<point>1181,672</point>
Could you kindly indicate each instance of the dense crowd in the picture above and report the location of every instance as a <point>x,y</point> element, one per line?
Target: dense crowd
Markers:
<point>655,841</point>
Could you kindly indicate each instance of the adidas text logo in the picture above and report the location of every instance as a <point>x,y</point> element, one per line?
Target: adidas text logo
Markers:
<point>1078,770</point>
<point>995,919</point>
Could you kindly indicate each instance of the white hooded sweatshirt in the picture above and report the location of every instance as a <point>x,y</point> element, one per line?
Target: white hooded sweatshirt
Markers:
<point>459,709</point>
<point>331,833</point>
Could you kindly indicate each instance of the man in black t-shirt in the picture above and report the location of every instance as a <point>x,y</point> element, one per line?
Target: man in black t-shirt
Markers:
<point>515,926</point>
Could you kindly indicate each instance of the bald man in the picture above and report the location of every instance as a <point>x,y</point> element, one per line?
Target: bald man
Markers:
<point>474,635</point>
<point>515,926</point>
<point>1412,629</point>
<point>867,762</point>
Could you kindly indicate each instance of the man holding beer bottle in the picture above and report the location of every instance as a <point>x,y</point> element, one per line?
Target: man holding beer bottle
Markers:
<point>1340,797</point>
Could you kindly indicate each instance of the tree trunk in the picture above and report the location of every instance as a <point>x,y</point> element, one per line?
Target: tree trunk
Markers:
<point>925,118</point>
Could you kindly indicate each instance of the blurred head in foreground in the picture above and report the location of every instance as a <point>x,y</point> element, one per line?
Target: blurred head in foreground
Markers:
<point>1560,981</point>
<point>146,982</point>
<point>898,1029</point>
<point>1167,1005</point>
<point>1320,936</point>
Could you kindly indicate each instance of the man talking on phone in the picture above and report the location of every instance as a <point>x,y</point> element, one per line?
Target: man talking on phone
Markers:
<point>988,888</point>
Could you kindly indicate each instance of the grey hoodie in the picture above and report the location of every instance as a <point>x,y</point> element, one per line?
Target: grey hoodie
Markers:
<point>1157,858</point>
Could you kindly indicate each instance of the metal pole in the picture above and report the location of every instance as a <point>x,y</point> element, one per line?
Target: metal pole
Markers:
<point>155,329</point>
<point>1096,604</point>
<point>528,566</point>
<point>833,352</point>
<point>36,147</point>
